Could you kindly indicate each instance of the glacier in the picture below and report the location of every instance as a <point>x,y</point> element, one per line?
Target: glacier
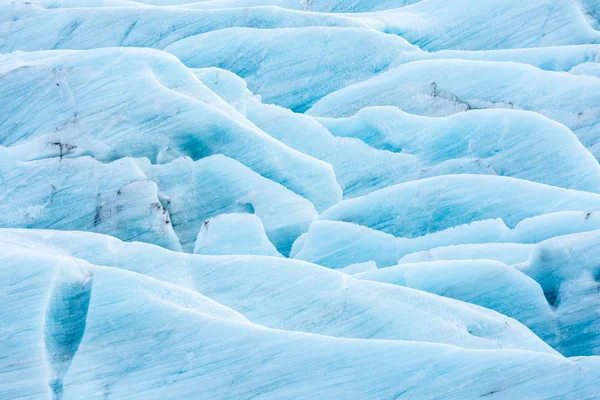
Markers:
<point>299,199</point>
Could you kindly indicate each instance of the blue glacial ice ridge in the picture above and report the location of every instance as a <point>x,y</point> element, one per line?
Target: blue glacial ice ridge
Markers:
<point>299,199</point>
<point>430,205</point>
<point>337,244</point>
<point>440,88</point>
<point>76,109</point>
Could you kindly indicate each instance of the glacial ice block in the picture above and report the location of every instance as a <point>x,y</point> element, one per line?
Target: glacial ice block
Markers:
<point>237,233</point>
<point>83,194</point>
<point>507,253</point>
<point>567,269</point>
<point>186,344</point>
<point>475,25</point>
<point>84,25</point>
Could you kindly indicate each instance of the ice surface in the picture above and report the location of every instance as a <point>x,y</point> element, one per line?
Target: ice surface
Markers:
<point>132,199</point>
<point>559,303</point>
<point>508,253</point>
<point>566,267</point>
<point>587,68</point>
<point>194,191</point>
<point>266,60</point>
<point>73,26</point>
<point>552,58</point>
<point>115,198</point>
<point>299,199</point>
<point>439,24</point>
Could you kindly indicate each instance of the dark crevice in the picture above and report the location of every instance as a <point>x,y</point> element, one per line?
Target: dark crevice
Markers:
<point>552,296</point>
<point>66,316</point>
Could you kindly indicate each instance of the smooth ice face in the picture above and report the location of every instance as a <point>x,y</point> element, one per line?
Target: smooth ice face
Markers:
<point>74,25</point>
<point>554,292</point>
<point>266,59</point>
<point>587,69</point>
<point>470,25</point>
<point>323,6</point>
<point>507,253</point>
<point>552,58</point>
<point>487,283</point>
<point>494,142</point>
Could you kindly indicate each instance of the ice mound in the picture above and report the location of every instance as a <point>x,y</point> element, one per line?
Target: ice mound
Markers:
<point>238,233</point>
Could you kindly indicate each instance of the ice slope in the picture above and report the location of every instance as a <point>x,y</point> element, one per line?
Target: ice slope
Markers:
<point>487,283</point>
<point>45,309</point>
<point>70,25</point>
<point>552,58</point>
<point>337,244</point>
<point>186,344</point>
<point>194,191</point>
<point>294,295</point>
<point>559,303</point>
<point>440,88</point>
<point>140,103</point>
<point>236,233</point>
<point>587,69</point>
<point>494,24</point>
<point>430,205</point>
<point>512,143</point>
<point>294,67</point>
<point>225,156</point>
<point>323,6</point>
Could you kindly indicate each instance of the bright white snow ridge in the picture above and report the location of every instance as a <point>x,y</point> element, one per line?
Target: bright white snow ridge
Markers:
<point>299,199</point>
